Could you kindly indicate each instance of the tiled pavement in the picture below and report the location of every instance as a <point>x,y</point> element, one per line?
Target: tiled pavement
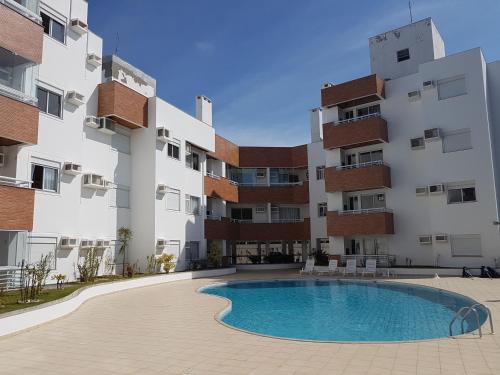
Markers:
<point>170,329</point>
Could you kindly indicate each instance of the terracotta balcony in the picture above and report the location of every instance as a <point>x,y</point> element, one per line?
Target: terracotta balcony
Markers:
<point>18,122</point>
<point>223,229</point>
<point>16,205</point>
<point>357,177</point>
<point>275,194</point>
<point>123,105</point>
<point>222,188</point>
<point>360,222</point>
<point>356,132</point>
<point>356,92</point>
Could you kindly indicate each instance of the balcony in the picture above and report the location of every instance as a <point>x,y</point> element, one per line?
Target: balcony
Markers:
<point>221,229</point>
<point>18,122</point>
<point>356,132</point>
<point>16,205</point>
<point>356,92</point>
<point>377,221</point>
<point>357,177</point>
<point>123,105</point>
<point>221,188</point>
<point>288,193</point>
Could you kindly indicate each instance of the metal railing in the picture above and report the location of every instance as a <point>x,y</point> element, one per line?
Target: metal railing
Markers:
<point>10,181</point>
<point>364,211</point>
<point>383,261</point>
<point>465,311</point>
<point>355,119</point>
<point>10,278</point>
<point>361,165</point>
<point>217,177</point>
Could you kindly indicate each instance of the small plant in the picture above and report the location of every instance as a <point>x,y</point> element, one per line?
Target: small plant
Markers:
<point>60,278</point>
<point>166,261</point>
<point>89,267</point>
<point>131,270</point>
<point>215,255</point>
<point>33,278</point>
<point>124,236</point>
<point>151,264</point>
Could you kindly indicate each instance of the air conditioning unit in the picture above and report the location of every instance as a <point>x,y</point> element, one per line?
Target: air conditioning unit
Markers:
<point>327,85</point>
<point>161,243</point>
<point>432,134</point>
<point>94,60</point>
<point>422,190</point>
<point>162,134</point>
<point>441,237</point>
<point>92,122</point>
<point>425,240</point>
<point>261,173</point>
<point>94,181</point>
<point>68,242</point>
<point>417,143</point>
<point>414,95</point>
<point>260,209</point>
<point>102,243</point>
<point>427,85</point>
<point>107,126</point>
<point>436,189</point>
<point>162,188</point>
<point>78,26</point>
<point>2,159</point>
<point>75,98</point>
<point>86,244</point>
<point>72,168</point>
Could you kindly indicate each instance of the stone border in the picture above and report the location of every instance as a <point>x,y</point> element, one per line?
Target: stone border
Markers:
<point>13,323</point>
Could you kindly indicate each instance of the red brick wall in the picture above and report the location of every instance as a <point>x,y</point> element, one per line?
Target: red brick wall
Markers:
<point>18,122</point>
<point>349,91</point>
<point>122,104</point>
<point>20,35</point>
<point>283,194</point>
<point>376,223</point>
<point>273,157</point>
<point>226,151</point>
<point>16,208</point>
<point>221,189</point>
<point>355,134</point>
<point>221,230</point>
<point>374,177</point>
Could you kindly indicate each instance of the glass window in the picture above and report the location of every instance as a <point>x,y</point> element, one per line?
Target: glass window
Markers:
<point>457,141</point>
<point>466,245</point>
<point>45,23</point>
<point>370,110</point>
<point>403,55</point>
<point>461,195</point>
<point>192,205</point>
<point>192,157</point>
<point>173,151</point>
<point>49,102</point>
<point>322,209</point>
<point>53,28</point>
<point>451,87</point>
<point>241,213</point>
<point>173,199</point>
<point>43,99</point>
<point>371,156</point>
<point>320,172</point>
<point>44,178</point>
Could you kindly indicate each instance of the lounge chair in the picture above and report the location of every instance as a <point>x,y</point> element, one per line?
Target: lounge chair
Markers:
<point>350,267</point>
<point>370,267</point>
<point>332,267</point>
<point>308,267</point>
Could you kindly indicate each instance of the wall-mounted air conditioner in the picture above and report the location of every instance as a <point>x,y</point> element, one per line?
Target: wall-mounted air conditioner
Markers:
<point>94,60</point>
<point>86,244</point>
<point>161,243</point>
<point>425,240</point>
<point>75,98</point>
<point>72,168</point>
<point>432,134</point>
<point>414,95</point>
<point>68,242</point>
<point>162,134</point>
<point>417,143</point>
<point>102,243</point>
<point>79,26</point>
<point>92,122</point>
<point>441,237</point>
<point>427,85</point>
<point>94,181</point>
<point>2,159</point>
<point>436,189</point>
<point>422,190</point>
<point>260,209</point>
<point>162,188</point>
<point>261,173</point>
<point>107,126</point>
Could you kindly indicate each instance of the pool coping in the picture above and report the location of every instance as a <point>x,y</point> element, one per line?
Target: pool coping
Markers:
<point>219,315</point>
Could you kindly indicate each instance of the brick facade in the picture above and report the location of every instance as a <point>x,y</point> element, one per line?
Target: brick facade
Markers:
<point>376,223</point>
<point>20,35</point>
<point>275,194</point>
<point>359,91</point>
<point>273,157</point>
<point>365,178</point>
<point>18,122</point>
<point>122,104</point>
<point>221,188</point>
<point>16,208</point>
<point>226,151</point>
<point>371,130</point>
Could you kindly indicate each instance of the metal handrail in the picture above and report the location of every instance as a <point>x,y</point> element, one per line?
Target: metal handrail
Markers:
<point>11,181</point>
<point>362,165</point>
<point>358,118</point>
<point>364,211</point>
<point>217,177</point>
<point>468,310</point>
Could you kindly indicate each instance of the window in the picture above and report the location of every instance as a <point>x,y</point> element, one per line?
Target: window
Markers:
<point>320,172</point>
<point>192,250</point>
<point>173,150</point>
<point>279,176</point>
<point>192,157</point>
<point>417,143</point>
<point>323,244</point>
<point>192,205</point>
<point>372,201</point>
<point>373,109</point>
<point>49,102</point>
<point>461,194</point>
<point>120,143</point>
<point>451,87</point>
<point>119,197</point>
<point>241,213</point>
<point>53,28</point>
<point>403,55</point>
<point>44,178</point>
<point>173,199</point>
<point>466,245</point>
<point>457,141</point>
<point>322,209</point>
<point>371,156</point>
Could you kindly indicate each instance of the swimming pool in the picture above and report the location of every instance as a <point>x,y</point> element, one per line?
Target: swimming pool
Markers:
<point>341,310</point>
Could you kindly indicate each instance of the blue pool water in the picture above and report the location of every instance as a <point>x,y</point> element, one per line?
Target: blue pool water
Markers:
<point>340,310</point>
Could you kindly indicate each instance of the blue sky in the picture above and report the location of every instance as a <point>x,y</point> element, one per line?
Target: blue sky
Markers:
<point>262,62</point>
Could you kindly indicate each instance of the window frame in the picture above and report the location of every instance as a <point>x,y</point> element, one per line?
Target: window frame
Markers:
<point>47,101</point>
<point>322,209</point>
<point>171,190</point>
<point>320,172</point>
<point>188,199</point>
<point>462,194</point>
<point>51,23</point>
<point>403,55</point>
<point>170,149</point>
<point>448,80</point>
<point>44,167</point>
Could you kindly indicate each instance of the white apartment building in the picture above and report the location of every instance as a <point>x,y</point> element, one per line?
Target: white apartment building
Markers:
<point>401,163</point>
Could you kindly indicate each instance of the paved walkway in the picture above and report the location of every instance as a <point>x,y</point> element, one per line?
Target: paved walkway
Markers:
<point>170,329</point>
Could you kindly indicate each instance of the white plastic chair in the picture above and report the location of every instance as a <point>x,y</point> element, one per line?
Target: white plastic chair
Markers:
<point>332,267</point>
<point>309,266</point>
<point>350,267</point>
<point>370,267</point>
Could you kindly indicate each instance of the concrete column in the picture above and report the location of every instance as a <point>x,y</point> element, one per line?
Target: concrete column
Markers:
<point>269,217</point>
<point>259,250</point>
<point>223,169</point>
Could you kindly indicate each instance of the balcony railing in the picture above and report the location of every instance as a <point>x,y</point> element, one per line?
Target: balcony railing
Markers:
<point>373,221</point>
<point>217,177</point>
<point>355,119</point>
<point>9,181</point>
<point>361,165</point>
<point>364,211</point>
<point>28,8</point>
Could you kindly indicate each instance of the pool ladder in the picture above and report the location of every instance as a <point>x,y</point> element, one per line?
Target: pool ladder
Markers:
<point>466,311</point>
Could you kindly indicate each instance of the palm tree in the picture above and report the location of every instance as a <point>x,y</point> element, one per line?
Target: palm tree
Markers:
<point>124,235</point>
